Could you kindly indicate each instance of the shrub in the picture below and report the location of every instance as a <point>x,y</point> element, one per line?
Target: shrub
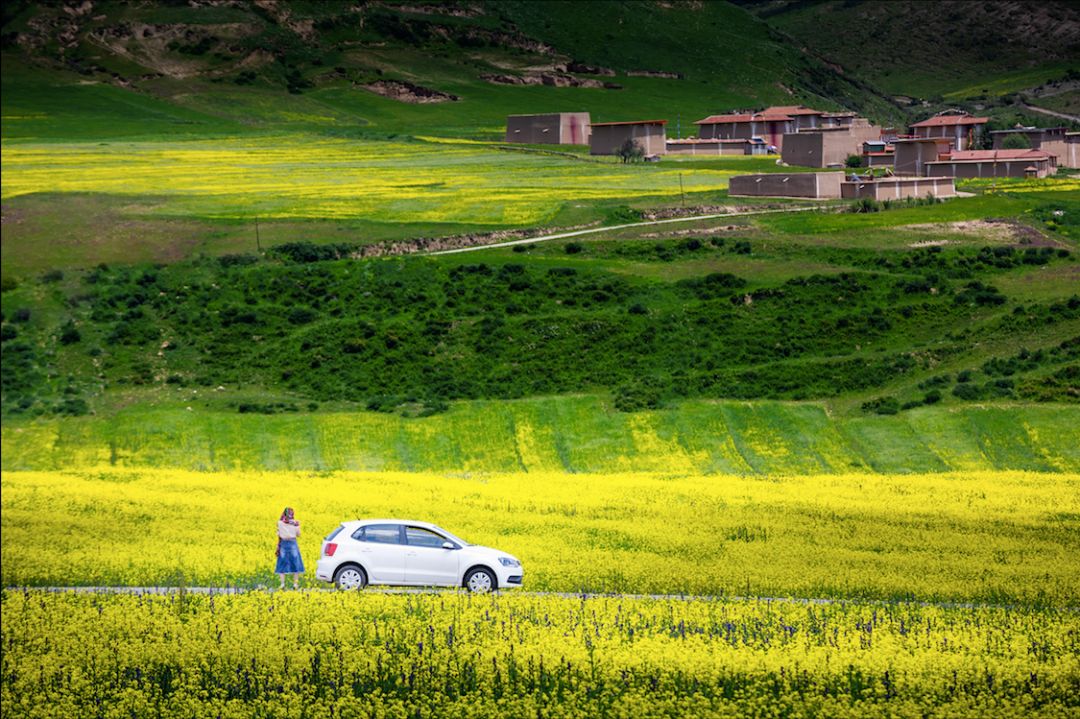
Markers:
<point>932,397</point>
<point>881,405</point>
<point>573,248</point>
<point>967,391</point>
<point>21,315</point>
<point>1016,141</point>
<point>52,276</point>
<point>853,161</point>
<point>301,315</point>
<point>637,395</point>
<point>630,151</point>
<point>69,333</point>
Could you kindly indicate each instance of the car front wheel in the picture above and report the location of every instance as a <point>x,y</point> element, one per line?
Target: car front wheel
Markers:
<point>480,581</point>
<point>350,577</point>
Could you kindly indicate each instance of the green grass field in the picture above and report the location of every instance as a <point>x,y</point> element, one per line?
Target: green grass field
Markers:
<point>568,434</point>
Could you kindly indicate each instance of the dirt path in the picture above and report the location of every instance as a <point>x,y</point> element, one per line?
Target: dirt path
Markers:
<point>1053,113</point>
<point>608,228</point>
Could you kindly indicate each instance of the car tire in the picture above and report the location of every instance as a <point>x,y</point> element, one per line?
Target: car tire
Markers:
<point>481,581</point>
<point>350,576</point>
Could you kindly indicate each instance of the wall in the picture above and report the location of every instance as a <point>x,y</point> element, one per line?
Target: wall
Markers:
<point>607,139</point>
<point>898,188</point>
<point>1001,168</point>
<point>911,157</point>
<point>560,128</point>
<point>705,147</point>
<point>1072,151</point>
<point>814,185</point>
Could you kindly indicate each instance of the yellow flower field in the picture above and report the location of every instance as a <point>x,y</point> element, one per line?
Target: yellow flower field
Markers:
<point>317,177</point>
<point>976,536</point>
<point>323,655</point>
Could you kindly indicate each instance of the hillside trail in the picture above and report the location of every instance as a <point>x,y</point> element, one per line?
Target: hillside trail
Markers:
<point>609,228</point>
<point>1053,113</point>
<point>229,590</point>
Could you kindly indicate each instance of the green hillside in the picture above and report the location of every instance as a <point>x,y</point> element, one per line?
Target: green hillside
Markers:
<point>212,69</point>
<point>938,50</point>
<point>568,434</point>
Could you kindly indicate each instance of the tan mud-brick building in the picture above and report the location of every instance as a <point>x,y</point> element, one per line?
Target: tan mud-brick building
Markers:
<point>993,163</point>
<point>961,128</point>
<point>828,146</point>
<point>608,137</point>
<point>1047,139</point>
<point>910,154</point>
<point>557,128</point>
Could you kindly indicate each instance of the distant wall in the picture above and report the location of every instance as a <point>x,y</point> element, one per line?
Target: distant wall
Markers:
<point>989,168</point>
<point>607,139</point>
<point>1072,151</point>
<point>815,185</point>
<point>898,188</point>
<point>559,128</point>
<point>911,157</point>
<point>707,147</point>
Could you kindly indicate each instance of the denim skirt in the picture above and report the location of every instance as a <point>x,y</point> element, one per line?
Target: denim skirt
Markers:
<point>289,562</point>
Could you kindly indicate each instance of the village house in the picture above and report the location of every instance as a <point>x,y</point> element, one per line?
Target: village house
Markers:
<point>828,146</point>
<point>993,163</point>
<point>877,153</point>
<point>1047,139</point>
<point>557,128</point>
<point>960,127</point>
<point>769,126</point>
<point>897,188</point>
<point>910,154</point>
<point>608,137</point>
<point>1072,150</point>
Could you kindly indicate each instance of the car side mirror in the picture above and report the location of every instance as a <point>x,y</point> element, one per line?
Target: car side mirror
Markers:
<point>449,545</point>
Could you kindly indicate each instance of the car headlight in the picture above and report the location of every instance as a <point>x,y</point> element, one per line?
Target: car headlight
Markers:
<point>508,562</point>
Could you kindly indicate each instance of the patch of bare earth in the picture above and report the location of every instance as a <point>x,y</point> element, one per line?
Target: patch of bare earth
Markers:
<point>408,92</point>
<point>1005,231</point>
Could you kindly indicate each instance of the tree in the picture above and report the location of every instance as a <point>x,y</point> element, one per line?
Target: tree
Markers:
<point>631,150</point>
<point>1016,141</point>
<point>853,161</point>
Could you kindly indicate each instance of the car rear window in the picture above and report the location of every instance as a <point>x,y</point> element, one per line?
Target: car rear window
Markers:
<point>336,532</point>
<point>379,534</point>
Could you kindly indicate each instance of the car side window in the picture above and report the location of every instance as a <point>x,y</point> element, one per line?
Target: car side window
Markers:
<point>418,537</point>
<point>379,534</point>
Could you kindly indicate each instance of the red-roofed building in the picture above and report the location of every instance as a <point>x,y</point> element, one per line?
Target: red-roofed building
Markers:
<point>993,163</point>
<point>771,124</point>
<point>608,137</point>
<point>961,128</point>
<point>1048,139</point>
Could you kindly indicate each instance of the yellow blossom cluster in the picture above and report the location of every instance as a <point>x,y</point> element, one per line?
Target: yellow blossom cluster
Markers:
<point>339,654</point>
<point>1003,537</point>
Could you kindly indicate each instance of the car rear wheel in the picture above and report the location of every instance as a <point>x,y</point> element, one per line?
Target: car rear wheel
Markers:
<point>480,581</point>
<point>350,577</point>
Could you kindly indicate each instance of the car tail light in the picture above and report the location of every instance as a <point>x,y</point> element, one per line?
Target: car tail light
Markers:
<point>329,549</point>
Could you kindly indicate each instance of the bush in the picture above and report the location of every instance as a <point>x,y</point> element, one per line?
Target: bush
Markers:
<point>637,396</point>
<point>69,333</point>
<point>853,161</point>
<point>1016,141</point>
<point>881,405</point>
<point>967,391</point>
<point>573,248</point>
<point>21,315</point>
<point>52,276</point>
<point>302,315</point>
<point>932,397</point>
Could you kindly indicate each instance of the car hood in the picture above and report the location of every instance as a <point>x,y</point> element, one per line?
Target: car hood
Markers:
<point>488,551</point>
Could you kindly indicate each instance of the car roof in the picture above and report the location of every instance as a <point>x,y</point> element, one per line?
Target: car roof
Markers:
<point>410,522</point>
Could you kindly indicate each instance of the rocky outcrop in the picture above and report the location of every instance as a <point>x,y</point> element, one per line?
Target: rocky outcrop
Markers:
<point>403,91</point>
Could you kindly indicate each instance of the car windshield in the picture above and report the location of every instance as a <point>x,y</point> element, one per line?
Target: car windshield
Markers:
<point>451,536</point>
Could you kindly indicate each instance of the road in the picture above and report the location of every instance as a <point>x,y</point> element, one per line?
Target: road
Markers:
<point>220,591</point>
<point>609,228</point>
<point>1053,113</point>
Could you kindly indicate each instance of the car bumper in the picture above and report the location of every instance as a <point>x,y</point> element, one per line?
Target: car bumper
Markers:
<point>510,577</point>
<point>324,570</point>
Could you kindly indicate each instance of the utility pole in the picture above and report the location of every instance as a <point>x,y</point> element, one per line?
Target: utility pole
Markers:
<point>258,243</point>
<point>682,191</point>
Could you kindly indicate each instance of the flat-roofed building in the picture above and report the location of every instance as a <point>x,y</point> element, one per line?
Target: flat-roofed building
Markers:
<point>608,137</point>
<point>962,128</point>
<point>992,163</point>
<point>910,154</point>
<point>1048,139</point>
<point>1072,150</point>
<point>556,128</point>
<point>828,146</point>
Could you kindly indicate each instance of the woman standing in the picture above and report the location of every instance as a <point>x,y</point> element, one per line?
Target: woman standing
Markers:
<point>288,551</point>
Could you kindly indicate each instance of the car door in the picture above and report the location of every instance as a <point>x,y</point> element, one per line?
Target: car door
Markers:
<point>427,561</point>
<point>382,552</point>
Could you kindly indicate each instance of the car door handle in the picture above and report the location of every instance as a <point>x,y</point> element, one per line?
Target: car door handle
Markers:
<point>366,551</point>
<point>410,554</point>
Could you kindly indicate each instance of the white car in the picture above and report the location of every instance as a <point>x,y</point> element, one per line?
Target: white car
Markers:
<point>406,553</point>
